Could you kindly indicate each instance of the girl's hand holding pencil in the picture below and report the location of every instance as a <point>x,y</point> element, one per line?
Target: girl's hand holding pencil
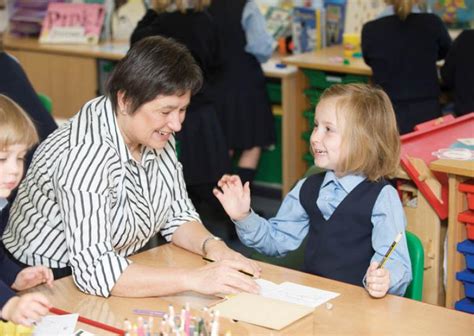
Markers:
<point>377,280</point>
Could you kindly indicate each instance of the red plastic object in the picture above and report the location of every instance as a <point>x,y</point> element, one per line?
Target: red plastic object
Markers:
<point>434,123</point>
<point>468,188</point>
<point>422,143</point>
<point>467,217</point>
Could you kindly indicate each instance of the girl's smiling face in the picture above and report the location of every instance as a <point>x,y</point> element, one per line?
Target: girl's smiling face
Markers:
<point>326,137</point>
<point>12,162</point>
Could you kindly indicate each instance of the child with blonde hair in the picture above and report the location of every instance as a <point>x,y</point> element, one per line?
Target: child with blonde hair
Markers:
<point>350,214</point>
<point>17,135</point>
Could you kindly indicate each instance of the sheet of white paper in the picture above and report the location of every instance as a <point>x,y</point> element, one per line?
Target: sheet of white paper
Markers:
<point>267,288</point>
<point>56,325</point>
<point>294,293</point>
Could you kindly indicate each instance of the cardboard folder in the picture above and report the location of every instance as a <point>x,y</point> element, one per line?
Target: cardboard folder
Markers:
<point>261,311</point>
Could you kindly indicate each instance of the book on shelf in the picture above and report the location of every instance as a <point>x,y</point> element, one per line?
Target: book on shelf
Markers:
<point>308,26</point>
<point>335,16</point>
<point>278,22</point>
<point>72,23</point>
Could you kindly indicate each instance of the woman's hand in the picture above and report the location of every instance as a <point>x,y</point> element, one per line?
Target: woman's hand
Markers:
<point>377,280</point>
<point>26,309</point>
<point>218,250</point>
<point>234,197</point>
<point>222,277</point>
<point>33,276</point>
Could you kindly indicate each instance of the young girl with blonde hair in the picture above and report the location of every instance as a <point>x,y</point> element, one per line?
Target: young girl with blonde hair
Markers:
<point>350,215</point>
<point>17,135</point>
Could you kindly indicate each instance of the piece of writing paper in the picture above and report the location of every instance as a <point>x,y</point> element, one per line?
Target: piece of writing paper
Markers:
<point>294,293</point>
<point>56,325</point>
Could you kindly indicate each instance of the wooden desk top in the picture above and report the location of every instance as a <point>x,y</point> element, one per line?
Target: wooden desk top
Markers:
<point>108,50</point>
<point>114,51</point>
<point>326,60</point>
<point>456,167</point>
<point>353,312</point>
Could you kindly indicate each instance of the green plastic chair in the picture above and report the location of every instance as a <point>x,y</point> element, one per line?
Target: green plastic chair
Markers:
<point>417,257</point>
<point>46,101</point>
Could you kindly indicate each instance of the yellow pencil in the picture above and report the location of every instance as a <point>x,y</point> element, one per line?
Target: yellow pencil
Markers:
<point>390,250</point>
<point>241,271</point>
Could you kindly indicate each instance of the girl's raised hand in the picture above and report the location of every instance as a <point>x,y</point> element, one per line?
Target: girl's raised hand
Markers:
<point>234,197</point>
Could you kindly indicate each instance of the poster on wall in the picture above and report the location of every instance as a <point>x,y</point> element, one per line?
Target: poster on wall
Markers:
<point>72,23</point>
<point>457,14</point>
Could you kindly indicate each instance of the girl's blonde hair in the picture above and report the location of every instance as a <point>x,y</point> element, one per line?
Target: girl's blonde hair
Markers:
<point>370,139</point>
<point>16,127</point>
<point>181,5</point>
<point>401,7</point>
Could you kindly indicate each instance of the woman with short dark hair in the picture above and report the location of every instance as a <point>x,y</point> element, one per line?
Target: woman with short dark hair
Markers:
<point>107,181</point>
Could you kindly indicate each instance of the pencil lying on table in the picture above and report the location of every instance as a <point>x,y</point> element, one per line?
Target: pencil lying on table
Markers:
<point>241,271</point>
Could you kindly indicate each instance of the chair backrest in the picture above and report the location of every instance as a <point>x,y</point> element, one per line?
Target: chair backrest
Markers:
<point>46,101</point>
<point>417,257</point>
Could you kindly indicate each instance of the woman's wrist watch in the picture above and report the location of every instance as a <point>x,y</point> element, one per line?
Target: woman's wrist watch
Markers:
<point>207,240</point>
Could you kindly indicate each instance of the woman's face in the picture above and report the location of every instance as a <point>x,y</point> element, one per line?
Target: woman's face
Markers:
<point>154,122</point>
<point>12,162</point>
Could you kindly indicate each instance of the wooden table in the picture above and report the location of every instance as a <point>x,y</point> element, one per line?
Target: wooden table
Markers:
<point>330,59</point>
<point>353,312</point>
<point>458,171</point>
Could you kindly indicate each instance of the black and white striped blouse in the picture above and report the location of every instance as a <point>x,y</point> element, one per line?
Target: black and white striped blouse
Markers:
<point>86,203</point>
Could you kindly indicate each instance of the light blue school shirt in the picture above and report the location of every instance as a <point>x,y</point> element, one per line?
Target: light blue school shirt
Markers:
<point>286,231</point>
<point>259,42</point>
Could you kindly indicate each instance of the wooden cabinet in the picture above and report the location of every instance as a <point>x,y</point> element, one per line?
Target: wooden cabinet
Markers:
<point>292,103</point>
<point>68,80</point>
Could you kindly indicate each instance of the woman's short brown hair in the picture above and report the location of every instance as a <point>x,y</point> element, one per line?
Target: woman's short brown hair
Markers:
<point>370,140</point>
<point>16,127</point>
<point>153,66</point>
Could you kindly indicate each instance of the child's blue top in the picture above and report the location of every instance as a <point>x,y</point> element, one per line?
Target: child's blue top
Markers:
<point>259,41</point>
<point>286,231</point>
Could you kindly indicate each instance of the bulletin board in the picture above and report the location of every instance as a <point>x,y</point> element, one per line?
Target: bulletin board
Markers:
<point>457,14</point>
<point>359,12</point>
